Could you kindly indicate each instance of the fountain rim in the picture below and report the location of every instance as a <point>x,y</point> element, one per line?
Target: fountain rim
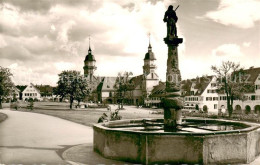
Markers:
<point>252,127</point>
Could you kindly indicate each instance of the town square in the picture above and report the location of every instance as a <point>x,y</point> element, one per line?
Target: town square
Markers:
<point>129,82</point>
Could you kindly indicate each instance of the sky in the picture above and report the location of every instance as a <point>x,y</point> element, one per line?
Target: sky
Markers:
<point>39,39</point>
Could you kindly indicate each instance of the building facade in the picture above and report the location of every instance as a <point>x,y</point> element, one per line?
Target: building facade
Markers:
<point>31,92</point>
<point>201,94</point>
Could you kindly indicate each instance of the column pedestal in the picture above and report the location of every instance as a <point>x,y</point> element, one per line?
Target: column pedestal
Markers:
<point>172,103</point>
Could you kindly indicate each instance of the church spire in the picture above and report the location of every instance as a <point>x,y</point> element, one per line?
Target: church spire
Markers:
<point>89,48</point>
<point>149,47</point>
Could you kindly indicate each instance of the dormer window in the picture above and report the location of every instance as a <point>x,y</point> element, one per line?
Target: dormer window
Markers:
<point>213,84</point>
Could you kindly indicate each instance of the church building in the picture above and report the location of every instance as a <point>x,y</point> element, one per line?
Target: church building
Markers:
<point>142,85</point>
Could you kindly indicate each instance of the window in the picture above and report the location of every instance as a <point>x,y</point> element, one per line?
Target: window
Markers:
<point>192,92</point>
<point>215,106</point>
<point>213,84</point>
<point>253,97</point>
<point>208,91</point>
<point>215,98</point>
<point>246,97</point>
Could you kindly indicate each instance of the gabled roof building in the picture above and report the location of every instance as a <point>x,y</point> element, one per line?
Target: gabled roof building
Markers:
<point>31,92</point>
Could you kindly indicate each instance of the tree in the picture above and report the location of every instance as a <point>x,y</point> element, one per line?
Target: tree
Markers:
<point>46,90</point>
<point>197,107</point>
<point>59,90</point>
<point>232,80</point>
<point>6,84</point>
<point>72,85</point>
<point>122,85</point>
<point>205,109</point>
<point>82,89</point>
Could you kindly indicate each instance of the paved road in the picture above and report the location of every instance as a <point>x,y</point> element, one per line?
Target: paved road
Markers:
<point>30,138</point>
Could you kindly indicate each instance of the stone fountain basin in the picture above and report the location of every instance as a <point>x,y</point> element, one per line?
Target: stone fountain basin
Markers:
<point>150,147</point>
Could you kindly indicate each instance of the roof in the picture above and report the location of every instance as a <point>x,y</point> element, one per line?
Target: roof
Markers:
<point>253,72</point>
<point>200,83</point>
<point>149,55</point>
<point>90,57</point>
<point>159,90</point>
<point>108,83</point>
<point>32,86</point>
<point>135,81</point>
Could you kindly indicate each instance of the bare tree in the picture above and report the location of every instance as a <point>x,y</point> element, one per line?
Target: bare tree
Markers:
<point>232,80</point>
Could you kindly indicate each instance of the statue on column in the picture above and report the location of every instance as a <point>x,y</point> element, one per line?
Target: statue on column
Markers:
<point>171,18</point>
<point>172,103</point>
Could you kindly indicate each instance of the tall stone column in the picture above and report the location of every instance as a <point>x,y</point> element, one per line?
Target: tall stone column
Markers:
<point>173,103</point>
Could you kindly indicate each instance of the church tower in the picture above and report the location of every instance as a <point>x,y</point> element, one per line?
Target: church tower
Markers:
<point>89,64</point>
<point>150,78</point>
<point>149,63</point>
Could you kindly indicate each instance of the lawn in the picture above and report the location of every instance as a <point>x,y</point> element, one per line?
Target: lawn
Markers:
<point>88,116</point>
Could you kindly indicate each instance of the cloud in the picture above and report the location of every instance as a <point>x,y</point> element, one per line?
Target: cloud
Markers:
<point>45,37</point>
<point>2,42</point>
<point>238,13</point>
<point>43,6</point>
<point>23,75</point>
<point>227,50</point>
<point>64,66</point>
<point>246,44</point>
